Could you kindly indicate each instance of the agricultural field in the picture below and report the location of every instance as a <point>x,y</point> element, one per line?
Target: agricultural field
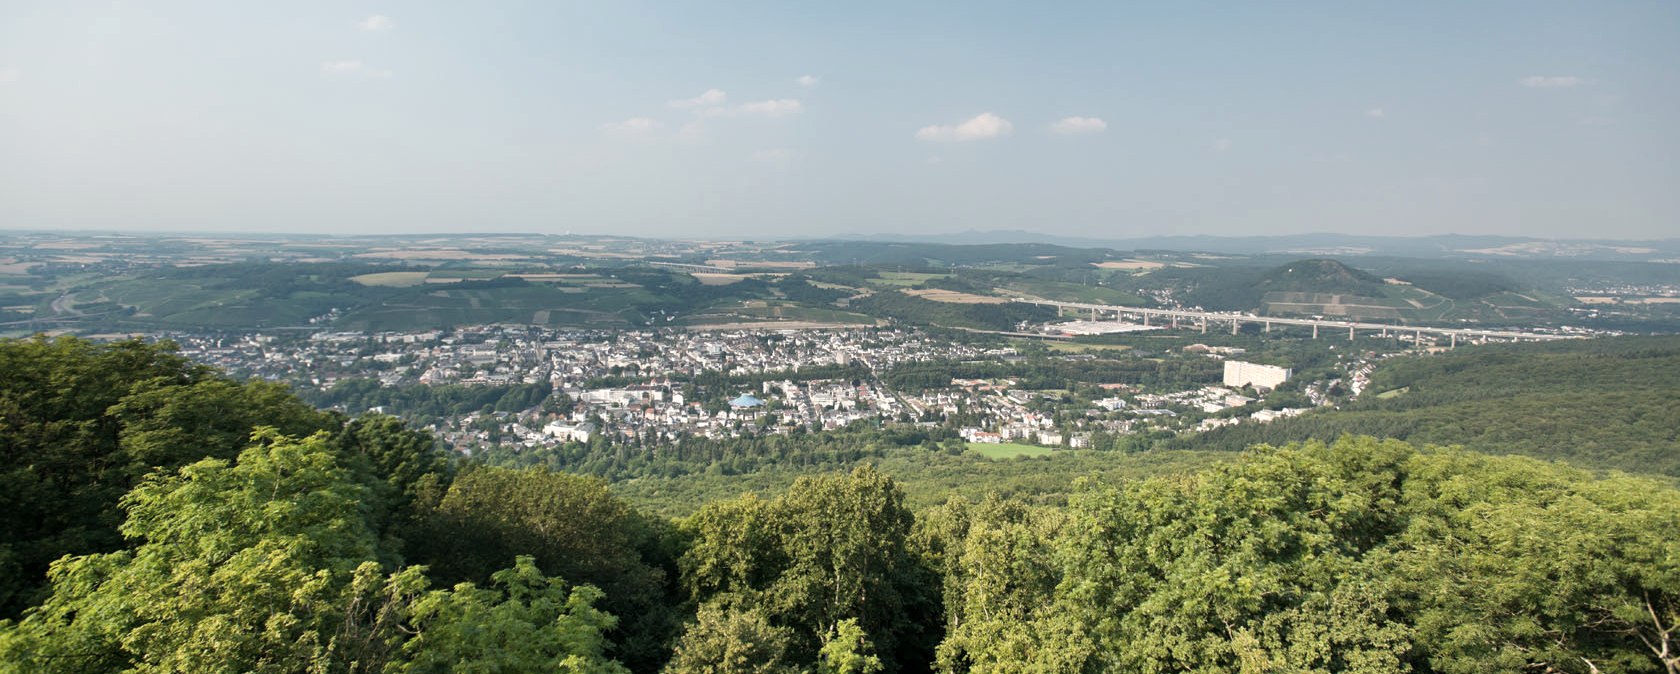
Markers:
<point>1130,265</point>
<point>392,279</point>
<point>904,279</point>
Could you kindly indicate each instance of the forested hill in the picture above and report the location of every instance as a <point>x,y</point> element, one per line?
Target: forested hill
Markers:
<point>194,523</point>
<point>1319,276</point>
<point>1600,403</point>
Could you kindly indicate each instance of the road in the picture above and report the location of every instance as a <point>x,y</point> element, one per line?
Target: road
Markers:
<point>65,305</point>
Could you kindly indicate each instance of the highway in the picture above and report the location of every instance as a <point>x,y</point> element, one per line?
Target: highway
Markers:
<point>1203,318</point>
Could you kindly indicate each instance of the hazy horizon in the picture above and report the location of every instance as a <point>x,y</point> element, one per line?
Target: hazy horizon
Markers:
<point>769,121</point>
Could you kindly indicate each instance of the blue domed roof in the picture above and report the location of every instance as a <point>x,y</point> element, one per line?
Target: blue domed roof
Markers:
<point>746,401</point>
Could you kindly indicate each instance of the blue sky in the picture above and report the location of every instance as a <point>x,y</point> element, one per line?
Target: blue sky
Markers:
<point>720,119</point>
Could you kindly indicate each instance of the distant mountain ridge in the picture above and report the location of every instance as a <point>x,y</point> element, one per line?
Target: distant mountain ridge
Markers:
<point>1441,245</point>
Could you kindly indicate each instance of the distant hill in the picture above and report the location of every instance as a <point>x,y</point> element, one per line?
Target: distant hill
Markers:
<point>1246,288</point>
<point>1320,276</point>
<point>1453,246</point>
<point>1600,403</point>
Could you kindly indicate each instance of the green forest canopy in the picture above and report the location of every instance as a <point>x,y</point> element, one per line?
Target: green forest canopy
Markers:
<point>237,545</point>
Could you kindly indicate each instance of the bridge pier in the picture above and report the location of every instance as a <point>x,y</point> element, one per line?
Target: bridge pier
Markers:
<point>1200,321</point>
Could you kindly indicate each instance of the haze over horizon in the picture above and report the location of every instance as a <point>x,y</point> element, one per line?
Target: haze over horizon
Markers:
<point>764,120</point>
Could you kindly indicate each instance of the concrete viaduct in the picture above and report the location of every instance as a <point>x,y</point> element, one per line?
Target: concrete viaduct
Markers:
<point>1201,320</point>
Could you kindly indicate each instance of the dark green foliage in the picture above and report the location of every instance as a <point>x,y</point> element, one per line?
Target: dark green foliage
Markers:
<point>722,456</point>
<point>912,310</point>
<point>1375,557</point>
<point>831,549</point>
<point>1609,402</point>
<point>1460,284</point>
<point>574,529</point>
<point>1320,276</point>
<point>233,547</point>
<point>1240,288</point>
<point>423,402</point>
<point>81,423</point>
<point>266,565</point>
<point>854,276</point>
<point>800,290</point>
<point>737,640</point>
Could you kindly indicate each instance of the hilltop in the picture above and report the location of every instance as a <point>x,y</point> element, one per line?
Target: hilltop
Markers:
<point>1320,276</point>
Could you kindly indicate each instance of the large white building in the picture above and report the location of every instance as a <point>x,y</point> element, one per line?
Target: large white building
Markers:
<point>1263,377</point>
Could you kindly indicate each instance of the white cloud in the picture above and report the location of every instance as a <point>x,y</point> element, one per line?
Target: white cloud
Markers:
<point>635,126</point>
<point>775,108</point>
<point>693,131</point>
<point>1375,113</point>
<point>1078,125</point>
<point>1222,145</point>
<point>10,74</point>
<point>980,127</point>
<point>376,23</point>
<point>775,155</point>
<point>1550,81</point>
<point>353,68</point>
<point>807,80</point>
<point>780,107</point>
<point>712,97</point>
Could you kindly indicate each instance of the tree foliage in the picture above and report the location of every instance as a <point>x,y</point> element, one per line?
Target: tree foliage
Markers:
<point>831,549</point>
<point>266,564</point>
<point>81,423</point>
<point>575,529</point>
<point>1374,556</point>
<point>201,524</point>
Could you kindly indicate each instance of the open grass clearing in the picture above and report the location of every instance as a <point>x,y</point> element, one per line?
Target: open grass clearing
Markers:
<point>1076,347</point>
<point>1007,450</point>
<point>715,279</point>
<point>954,297</point>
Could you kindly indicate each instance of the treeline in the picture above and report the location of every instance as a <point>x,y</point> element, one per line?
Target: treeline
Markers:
<point>240,531</point>
<point>1361,556</point>
<point>426,402</point>
<point>799,289</point>
<point>1603,403</point>
<point>917,311</point>
<point>727,456</point>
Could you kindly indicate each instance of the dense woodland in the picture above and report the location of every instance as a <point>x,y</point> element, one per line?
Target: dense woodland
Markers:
<point>161,517</point>
<point>1602,403</point>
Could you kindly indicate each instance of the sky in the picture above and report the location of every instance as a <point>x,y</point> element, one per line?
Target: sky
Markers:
<point>726,119</point>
